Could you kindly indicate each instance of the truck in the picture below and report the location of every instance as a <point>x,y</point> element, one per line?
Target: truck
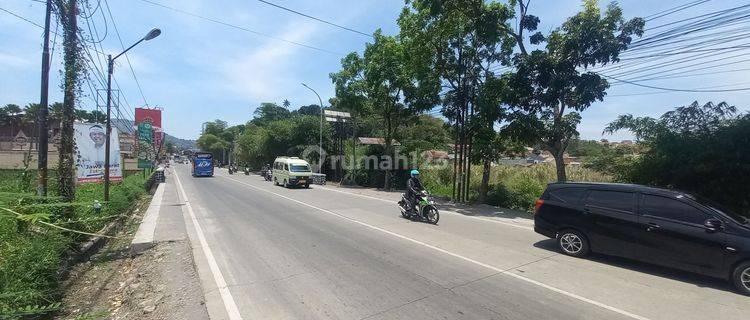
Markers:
<point>203,165</point>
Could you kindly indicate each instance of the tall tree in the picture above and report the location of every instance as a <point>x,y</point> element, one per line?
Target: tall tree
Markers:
<point>551,85</point>
<point>703,149</point>
<point>72,75</point>
<point>379,84</point>
<point>458,42</point>
<point>267,112</point>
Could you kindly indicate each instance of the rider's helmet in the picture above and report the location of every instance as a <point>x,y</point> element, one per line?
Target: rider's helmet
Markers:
<point>414,173</point>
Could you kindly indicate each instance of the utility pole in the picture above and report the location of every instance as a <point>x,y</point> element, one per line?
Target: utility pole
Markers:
<point>110,66</point>
<point>42,136</point>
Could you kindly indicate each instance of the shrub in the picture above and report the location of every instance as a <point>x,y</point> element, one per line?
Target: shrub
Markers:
<point>30,255</point>
<point>515,187</point>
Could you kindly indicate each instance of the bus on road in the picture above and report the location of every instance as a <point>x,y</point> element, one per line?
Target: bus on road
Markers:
<point>203,165</point>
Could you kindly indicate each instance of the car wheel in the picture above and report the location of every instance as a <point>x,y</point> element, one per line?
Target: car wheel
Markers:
<point>286,185</point>
<point>275,182</point>
<point>573,243</point>
<point>741,278</point>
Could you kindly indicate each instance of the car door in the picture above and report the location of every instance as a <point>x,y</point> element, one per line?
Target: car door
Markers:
<point>615,224</point>
<point>673,234</point>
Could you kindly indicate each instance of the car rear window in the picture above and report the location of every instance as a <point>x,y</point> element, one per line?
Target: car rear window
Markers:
<point>611,200</point>
<point>672,209</point>
<point>567,195</point>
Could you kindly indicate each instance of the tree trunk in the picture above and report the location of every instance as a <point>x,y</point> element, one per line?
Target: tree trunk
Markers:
<point>560,165</point>
<point>388,153</point>
<point>469,142</point>
<point>484,186</point>
<point>455,161</point>
<point>65,167</point>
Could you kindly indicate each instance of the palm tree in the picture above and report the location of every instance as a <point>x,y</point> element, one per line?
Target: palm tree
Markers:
<point>286,104</point>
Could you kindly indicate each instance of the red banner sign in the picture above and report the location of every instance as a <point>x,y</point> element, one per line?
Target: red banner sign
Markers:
<point>152,116</point>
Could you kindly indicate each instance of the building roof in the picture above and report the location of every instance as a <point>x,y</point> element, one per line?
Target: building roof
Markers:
<point>376,141</point>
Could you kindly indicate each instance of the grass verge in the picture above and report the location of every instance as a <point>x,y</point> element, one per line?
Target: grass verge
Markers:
<point>31,253</point>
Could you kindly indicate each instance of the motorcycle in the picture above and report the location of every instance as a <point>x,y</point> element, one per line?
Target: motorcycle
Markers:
<point>424,210</point>
<point>268,176</point>
<point>247,171</point>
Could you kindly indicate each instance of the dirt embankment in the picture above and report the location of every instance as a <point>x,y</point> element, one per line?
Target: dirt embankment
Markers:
<point>160,283</point>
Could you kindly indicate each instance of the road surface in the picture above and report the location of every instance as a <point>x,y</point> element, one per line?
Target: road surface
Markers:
<point>266,252</point>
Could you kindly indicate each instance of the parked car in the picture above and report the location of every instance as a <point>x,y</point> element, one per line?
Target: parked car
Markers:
<point>659,226</point>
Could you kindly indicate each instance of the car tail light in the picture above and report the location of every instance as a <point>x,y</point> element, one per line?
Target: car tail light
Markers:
<point>538,204</point>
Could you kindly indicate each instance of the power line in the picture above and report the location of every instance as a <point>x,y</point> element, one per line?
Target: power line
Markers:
<point>673,10</point>
<point>314,18</point>
<point>672,89</point>
<point>138,84</point>
<point>662,92</point>
<point>241,28</point>
<point>22,18</point>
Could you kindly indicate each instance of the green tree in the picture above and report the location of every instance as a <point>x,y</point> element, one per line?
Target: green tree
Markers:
<point>552,85</point>
<point>379,84</point>
<point>703,149</point>
<point>8,113</point>
<point>425,133</point>
<point>268,112</point>
<point>211,143</point>
<point>309,110</point>
<point>455,44</point>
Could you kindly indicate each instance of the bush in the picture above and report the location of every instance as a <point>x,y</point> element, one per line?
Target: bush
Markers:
<point>31,254</point>
<point>514,187</point>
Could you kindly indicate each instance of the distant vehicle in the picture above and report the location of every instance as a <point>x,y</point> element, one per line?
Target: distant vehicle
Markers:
<point>203,165</point>
<point>660,226</point>
<point>291,171</point>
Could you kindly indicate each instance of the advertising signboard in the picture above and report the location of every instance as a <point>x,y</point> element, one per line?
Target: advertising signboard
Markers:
<point>90,152</point>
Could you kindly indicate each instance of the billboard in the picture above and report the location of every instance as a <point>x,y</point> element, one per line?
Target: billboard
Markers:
<point>146,153</point>
<point>90,142</point>
<point>152,116</point>
<point>149,137</point>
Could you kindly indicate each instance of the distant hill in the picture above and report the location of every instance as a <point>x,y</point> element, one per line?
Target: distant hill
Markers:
<point>182,144</point>
<point>128,126</point>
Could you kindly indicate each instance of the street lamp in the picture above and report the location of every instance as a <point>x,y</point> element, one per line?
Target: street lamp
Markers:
<point>155,32</point>
<point>320,144</point>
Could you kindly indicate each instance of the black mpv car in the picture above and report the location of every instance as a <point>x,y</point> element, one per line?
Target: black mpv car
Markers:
<point>659,226</point>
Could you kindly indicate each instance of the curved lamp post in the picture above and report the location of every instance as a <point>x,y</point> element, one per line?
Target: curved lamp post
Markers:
<point>320,143</point>
<point>155,32</point>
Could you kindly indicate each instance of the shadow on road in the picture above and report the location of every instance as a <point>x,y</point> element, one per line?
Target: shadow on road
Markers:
<point>655,270</point>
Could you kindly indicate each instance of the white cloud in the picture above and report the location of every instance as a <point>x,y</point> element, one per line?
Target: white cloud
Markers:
<point>264,72</point>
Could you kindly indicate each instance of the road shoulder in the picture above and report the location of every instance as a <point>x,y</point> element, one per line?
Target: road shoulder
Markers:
<point>160,282</point>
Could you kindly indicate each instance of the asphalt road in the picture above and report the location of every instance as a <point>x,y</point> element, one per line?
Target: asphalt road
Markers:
<point>266,252</point>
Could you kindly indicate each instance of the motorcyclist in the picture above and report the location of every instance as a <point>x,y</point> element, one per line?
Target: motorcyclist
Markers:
<point>413,188</point>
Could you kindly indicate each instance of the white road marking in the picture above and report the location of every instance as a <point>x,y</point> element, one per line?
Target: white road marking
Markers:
<point>455,255</point>
<point>226,296</point>
<point>145,233</point>
<point>448,211</point>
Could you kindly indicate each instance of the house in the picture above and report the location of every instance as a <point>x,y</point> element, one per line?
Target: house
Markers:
<point>537,157</point>
<point>436,156</point>
<point>376,141</point>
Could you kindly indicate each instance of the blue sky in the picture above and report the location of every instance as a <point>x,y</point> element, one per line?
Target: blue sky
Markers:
<point>198,70</point>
